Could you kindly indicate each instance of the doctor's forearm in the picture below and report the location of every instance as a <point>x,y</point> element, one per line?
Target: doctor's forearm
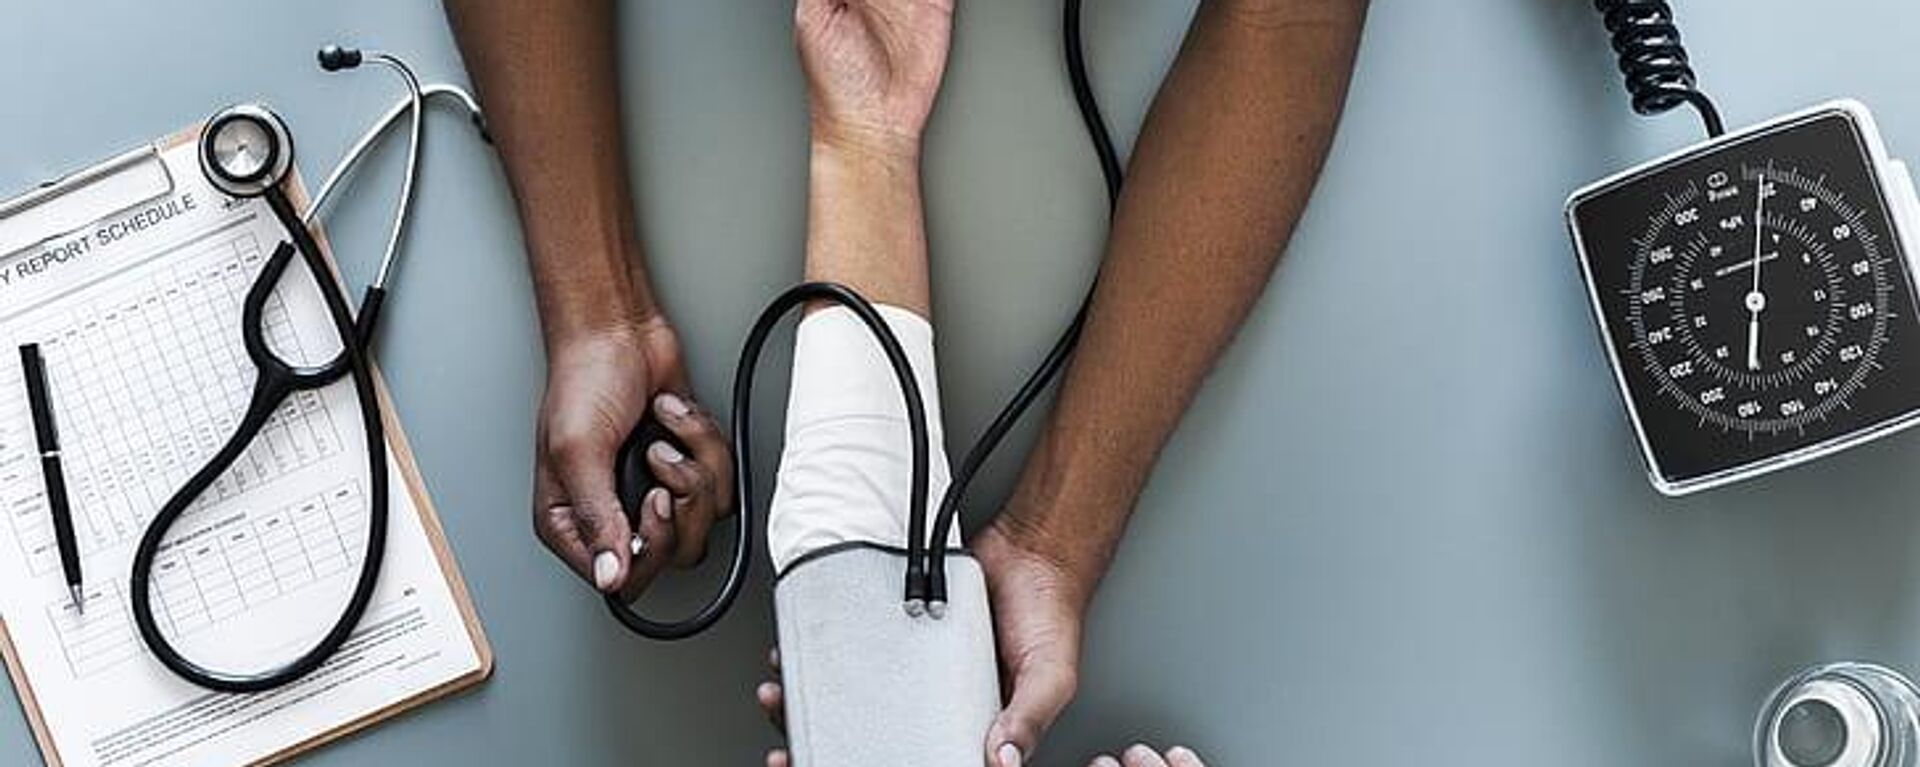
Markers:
<point>1221,173</point>
<point>546,74</point>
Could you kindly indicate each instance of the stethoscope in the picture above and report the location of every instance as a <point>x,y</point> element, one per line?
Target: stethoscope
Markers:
<point>246,151</point>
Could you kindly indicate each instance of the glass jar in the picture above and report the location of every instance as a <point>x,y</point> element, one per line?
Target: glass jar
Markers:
<point>1840,715</point>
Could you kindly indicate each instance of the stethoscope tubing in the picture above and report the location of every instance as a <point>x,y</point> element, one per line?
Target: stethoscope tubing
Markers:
<point>276,380</point>
<point>273,383</point>
<point>403,207</point>
<point>361,146</point>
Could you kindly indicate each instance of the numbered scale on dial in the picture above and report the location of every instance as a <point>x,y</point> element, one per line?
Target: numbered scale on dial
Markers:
<point>1755,297</point>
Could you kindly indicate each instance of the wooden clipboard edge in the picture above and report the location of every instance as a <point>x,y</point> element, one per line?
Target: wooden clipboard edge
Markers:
<point>28,702</point>
<point>429,523</point>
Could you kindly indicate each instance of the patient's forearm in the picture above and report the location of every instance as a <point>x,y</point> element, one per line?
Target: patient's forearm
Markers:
<point>546,74</point>
<point>864,224</point>
<point>1222,171</point>
<point>843,476</point>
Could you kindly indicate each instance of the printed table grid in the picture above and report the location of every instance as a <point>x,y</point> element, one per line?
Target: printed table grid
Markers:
<point>149,377</point>
<point>211,575</point>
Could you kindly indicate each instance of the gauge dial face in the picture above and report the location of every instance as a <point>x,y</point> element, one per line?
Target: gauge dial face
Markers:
<point>1759,320</point>
<point>1756,298</point>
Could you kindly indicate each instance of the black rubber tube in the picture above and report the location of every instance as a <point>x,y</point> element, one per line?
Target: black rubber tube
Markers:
<point>275,381</point>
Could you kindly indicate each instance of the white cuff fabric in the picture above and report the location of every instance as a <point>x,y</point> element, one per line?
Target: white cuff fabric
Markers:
<point>848,462</point>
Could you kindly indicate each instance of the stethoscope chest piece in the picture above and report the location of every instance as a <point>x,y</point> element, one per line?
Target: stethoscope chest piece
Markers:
<point>245,150</point>
<point>1841,715</point>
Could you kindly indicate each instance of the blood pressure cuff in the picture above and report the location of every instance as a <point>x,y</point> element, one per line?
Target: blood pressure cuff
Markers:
<point>847,466</point>
<point>867,684</point>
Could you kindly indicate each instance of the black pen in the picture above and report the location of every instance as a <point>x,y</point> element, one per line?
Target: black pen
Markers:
<point>47,434</point>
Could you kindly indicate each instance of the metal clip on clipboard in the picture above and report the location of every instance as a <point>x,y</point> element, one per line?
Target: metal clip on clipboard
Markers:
<point>66,204</point>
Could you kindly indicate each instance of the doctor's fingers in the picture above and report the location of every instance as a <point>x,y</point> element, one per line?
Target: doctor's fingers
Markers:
<point>1041,688</point>
<point>563,530</point>
<point>701,434</point>
<point>692,509</point>
<point>653,550</point>
<point>577,513</point>
<point>553,523</point>
<point>701,482</point>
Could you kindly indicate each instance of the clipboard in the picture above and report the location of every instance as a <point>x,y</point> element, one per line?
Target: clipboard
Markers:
<point>127,181</point>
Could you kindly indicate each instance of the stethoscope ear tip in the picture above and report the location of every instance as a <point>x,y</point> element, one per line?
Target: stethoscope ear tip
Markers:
<point>334,58</point>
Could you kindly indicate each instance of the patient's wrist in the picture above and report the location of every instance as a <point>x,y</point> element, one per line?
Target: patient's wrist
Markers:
<point>869,145</point>
<point>866,183</point>
<point>890,154</point>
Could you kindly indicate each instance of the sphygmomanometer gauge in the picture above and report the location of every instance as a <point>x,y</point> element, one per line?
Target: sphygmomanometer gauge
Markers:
<point>1755,296</point>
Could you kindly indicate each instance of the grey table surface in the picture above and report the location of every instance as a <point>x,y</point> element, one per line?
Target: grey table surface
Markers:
<point>1405,523</point>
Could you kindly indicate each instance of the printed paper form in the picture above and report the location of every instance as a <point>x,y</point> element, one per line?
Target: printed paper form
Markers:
<point>138,316</point>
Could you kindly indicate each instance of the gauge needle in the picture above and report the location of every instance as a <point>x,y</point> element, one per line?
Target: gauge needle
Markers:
<point>1742,264</point>
<point>1756,301</point>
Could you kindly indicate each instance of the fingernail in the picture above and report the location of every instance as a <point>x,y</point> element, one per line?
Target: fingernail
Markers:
<point>1009,755</point>
<point>671,405</point>
<point>665,452</point>
<point>773,657</point>
<point>657,500</point>
<point>1106,761</point>
<point>1182,752</point>
<point>1139,752</point>
<point>766,692</point>
<point>605,567</point>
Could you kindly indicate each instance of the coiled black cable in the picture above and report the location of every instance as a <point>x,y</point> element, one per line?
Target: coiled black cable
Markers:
<point>1659,75</point>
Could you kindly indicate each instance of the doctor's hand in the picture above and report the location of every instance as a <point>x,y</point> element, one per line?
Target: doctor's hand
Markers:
<point>598,387</point>
<point>873,68</point>
<point>1038,610</point>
